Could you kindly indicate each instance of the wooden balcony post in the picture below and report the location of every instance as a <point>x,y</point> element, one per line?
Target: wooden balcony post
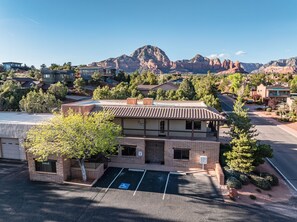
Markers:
<point>192,137</point>
<point>144,127</point>
<point>168,128</point>
<point>122,125</point>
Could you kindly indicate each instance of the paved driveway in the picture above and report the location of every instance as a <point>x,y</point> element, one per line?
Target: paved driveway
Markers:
<point>187,198</point>
<point>10,167</point>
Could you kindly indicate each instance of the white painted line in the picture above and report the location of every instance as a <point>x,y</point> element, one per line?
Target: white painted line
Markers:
<point>286,179</point>
<point>136,170</point>
<point>139,183</point>
<point>178,173</point>
<point>113,180</point>
<point>166,186</point>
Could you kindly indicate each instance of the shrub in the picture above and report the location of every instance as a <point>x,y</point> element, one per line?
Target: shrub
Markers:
<point>244,179</point>
<point>232,182</point>
<point>253,197</point>
<point>271,178</point>
<point>268,109</point>
<point>260,182</point>
<point>231,173</point>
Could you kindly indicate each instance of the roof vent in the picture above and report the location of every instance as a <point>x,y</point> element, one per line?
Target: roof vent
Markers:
<point>147,101</point>
<point>131,101</point>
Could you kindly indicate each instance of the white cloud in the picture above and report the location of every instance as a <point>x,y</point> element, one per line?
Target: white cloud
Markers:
<point>240,52</point>
<point>220,55</point>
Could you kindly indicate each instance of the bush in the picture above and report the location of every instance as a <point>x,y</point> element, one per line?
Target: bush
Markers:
<point>244,179</point>
<point>268,109</point>
<point>253,197</point>
<point>232,182</point>
<point>260,182</point>
<point>271,178</point>
<point>231,173</point>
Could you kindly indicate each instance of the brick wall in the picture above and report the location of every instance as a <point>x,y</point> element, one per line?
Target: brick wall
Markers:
<point>197,149</point>
<point>62,166</point>
<point>91,173</point>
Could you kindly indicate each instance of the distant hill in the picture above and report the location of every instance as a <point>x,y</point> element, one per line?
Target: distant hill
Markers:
<point>279,66</point>
<point>154,59</point>
<point>249,67</point>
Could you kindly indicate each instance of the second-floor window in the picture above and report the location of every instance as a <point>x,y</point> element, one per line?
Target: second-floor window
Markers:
<point>46,76</point>
<point>128,150</point>
<point>196,125</point>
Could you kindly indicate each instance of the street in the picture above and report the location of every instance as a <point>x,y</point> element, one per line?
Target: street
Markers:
<point>284,144</point>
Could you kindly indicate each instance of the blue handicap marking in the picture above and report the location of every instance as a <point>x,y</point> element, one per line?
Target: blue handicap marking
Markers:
<point>124,186</point>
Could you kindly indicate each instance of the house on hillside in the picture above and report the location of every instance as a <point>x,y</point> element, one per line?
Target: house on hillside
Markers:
<point>144,89</point>
<point>86,72</point>
<point>26,83</point>
<point>156,135</point>
<point>279,92</point>
<point>14,66</point>
<point>53,76</point>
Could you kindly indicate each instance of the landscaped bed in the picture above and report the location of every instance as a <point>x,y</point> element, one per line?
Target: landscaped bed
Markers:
<point>251,194</point>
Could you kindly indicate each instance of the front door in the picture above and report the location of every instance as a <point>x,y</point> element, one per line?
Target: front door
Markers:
<point>154,152</point>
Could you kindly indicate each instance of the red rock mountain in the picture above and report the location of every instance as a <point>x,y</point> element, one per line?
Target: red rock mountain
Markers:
<point>154,59</point>
<point>283,66</point>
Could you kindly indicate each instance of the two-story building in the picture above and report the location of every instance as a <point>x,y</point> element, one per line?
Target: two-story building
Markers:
<point>86,72</point>
<point>145,89</point>
<point>156,135</point>
<point>53,76</point>
<point>278,92</point>
<point>15,66</point>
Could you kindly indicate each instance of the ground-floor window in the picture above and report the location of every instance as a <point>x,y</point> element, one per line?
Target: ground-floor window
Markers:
<point>46,166</point>
<point>181,154</point>
<point>128,150</point>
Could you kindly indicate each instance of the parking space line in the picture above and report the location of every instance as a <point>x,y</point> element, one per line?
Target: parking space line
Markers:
<point>139,183</point>
<point>166,185</point>
<point>113,180</point>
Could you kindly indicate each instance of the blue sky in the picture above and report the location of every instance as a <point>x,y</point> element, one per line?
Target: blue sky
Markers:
<point>58,31</point>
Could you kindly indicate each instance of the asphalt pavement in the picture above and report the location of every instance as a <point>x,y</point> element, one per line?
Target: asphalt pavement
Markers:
<point>283,143</point>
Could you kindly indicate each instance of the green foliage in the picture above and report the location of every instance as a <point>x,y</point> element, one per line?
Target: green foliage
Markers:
<point>74,136</point>
<point>96,77</point>
<point>58,90</point>
<point>121,91</point>
<point>161,94</point>
<point>271,178</point>
<point>232,182</point>
<point>236,82</point>
<point>262,151</point>
<point>212,101</point>
<point>244,179</point>
<point>79,83</point>
<point>260,182</point>
<point>293,85</point>
<point>39,102</point>
<point>102,93</point>
<point>185,90</point>
<point>10,95</point>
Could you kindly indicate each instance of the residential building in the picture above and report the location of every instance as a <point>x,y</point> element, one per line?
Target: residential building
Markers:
<point>86,72</point>
<point>144,89</point>
<point>54,76</point>
<point>292,101</point>
<point>26,83</point>
<point>13,128</point>
<point>278,92</point>
<point>15,66</point>
<point>156,135</point>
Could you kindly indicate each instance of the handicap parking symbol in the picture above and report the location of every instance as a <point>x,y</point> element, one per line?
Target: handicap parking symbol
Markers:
<point>124,186</point>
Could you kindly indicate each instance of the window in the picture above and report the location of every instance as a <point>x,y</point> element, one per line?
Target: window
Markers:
<point>46,76</point>
<point>188,125</point>
<point>128,150</point>
<point>162,126</point>
<point>197,125</point>
<point>46,166</point>
<point>181,154</point>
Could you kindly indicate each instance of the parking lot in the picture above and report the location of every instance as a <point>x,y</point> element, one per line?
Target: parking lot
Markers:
<point>160,184</point>
<point>121,195</point>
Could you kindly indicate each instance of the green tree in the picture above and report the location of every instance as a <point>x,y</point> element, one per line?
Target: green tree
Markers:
<point>96,77</point>
<point>79,83</point>
<point>246,152</point>
<point>39,102</point>
<point>121,91</point>
<point>185,90</point>
<point>10,95</point>
<point>236,81</point>
<point>58,90</point>
<point>293,85</point>
<point>102,93</point>
<point>74,136</point>
<point>160,95</point>
<point>212,101</point>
